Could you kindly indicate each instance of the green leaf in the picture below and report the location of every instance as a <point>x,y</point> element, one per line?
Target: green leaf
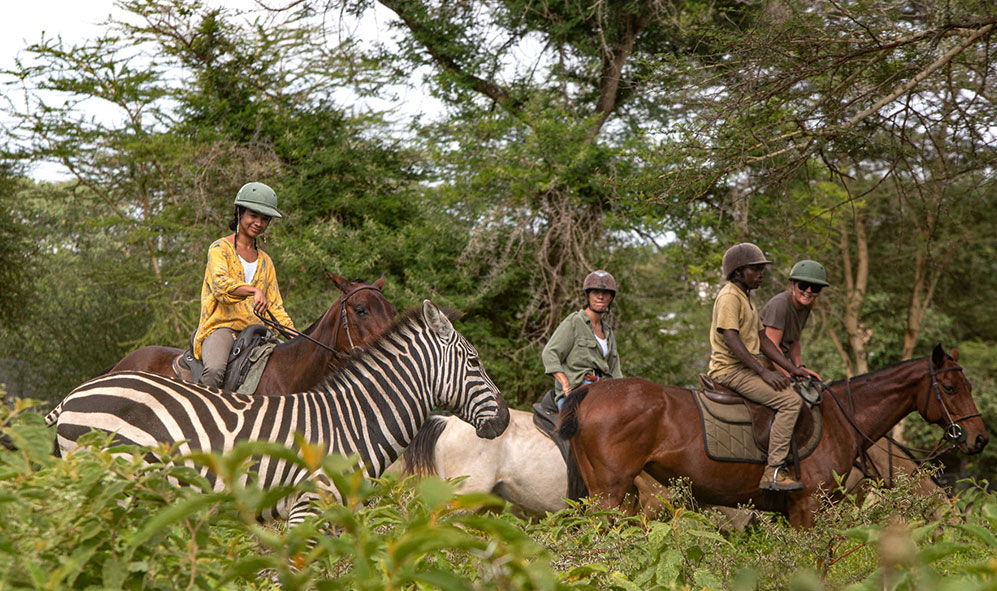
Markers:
<point>434,492</point>
<point>939,550</point>
<point>620,580</point>
<point>173,514</point>
<point>985,535</point>
<point>444,580</point>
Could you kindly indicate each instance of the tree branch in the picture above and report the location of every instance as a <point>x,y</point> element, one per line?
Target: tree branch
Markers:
<point>440,55</point>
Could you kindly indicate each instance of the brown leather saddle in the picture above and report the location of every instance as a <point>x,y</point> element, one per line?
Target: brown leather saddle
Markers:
<point>188,368</point>
<point>761,415</point>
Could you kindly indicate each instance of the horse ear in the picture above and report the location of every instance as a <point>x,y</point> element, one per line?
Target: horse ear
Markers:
<point>436,320</point>
<point>341,283</point>
<point>379,283</point>
<point>954,354</point>
<point>938,356</point>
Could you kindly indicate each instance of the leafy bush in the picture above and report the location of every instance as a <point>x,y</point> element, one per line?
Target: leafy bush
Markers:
<point>105,518</point>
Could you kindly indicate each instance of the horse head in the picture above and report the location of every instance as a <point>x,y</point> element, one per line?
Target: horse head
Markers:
<point>360,315</point>
<point>462,385</point>
<point>948,402</point>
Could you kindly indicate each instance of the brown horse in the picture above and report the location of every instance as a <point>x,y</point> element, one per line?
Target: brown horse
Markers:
<point>620,427</point>
<point>355,319</point>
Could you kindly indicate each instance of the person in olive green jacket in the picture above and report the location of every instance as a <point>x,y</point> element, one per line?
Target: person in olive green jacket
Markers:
<point>583,348</point>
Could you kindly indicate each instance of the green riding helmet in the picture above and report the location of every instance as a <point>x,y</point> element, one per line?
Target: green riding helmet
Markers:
<point>259,198</point>
<point>810,272</point>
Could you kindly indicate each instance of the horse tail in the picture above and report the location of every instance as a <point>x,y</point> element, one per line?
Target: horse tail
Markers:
<point>568,424</point>
<point>419,456</point>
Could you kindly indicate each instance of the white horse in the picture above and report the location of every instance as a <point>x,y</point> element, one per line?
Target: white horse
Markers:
<point>522,465</point>
<point>525,467</point>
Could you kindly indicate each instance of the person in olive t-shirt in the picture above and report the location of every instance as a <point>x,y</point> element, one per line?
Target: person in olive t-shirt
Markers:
<point>736,340</point>
<point>583,347</point>
<point>786,314</point>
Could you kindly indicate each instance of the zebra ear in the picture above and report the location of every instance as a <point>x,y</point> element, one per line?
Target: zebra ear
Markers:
<point>437,320</point>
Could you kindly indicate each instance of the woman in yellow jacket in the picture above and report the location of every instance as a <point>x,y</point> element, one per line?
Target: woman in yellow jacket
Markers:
<point>239,282</point>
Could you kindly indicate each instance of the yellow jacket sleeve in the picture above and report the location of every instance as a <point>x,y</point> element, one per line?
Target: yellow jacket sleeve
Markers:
<point>222,279</point>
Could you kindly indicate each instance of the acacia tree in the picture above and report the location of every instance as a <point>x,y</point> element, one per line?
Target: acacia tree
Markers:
<point>544,108</point>
<point>851,130</point>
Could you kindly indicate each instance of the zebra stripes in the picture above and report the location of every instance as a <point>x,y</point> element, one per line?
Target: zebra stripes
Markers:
<point>373,406</point>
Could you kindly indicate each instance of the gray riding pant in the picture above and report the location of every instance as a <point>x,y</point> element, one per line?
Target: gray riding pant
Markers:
<point>215,350</point>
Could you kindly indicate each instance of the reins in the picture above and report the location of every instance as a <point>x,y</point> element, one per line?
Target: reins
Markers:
<point>271,322</point>
<point>954,433</point>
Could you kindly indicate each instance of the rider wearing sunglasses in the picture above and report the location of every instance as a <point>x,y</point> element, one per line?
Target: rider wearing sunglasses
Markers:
<point>786,314</point>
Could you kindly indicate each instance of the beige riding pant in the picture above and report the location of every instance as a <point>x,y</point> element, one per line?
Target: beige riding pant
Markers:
<point>214,353</point>
<point>786,404</point>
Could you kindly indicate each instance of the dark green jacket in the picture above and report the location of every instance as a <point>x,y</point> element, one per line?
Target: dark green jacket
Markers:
<point>573,350</point>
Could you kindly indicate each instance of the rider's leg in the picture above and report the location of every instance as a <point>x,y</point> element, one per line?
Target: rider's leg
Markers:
<point>214,353</point>
<point>786,404</point>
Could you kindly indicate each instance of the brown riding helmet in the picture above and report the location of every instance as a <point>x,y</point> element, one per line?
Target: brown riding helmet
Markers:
<point>599,280</point>
<point>741,255</point>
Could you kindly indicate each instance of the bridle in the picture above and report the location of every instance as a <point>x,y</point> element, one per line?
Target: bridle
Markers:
<point>344,320</point>
<point>954,433</point>
<point>271,322</point>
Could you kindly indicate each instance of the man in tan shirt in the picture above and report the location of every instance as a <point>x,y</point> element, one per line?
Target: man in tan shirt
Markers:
<point>736,339</point>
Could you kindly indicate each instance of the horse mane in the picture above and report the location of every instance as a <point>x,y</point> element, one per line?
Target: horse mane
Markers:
<point>418,458</point>
<point>876,372</point>
<point>567,426</point>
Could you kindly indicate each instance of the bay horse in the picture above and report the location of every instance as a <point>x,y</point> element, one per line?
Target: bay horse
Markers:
<point>356,318</point>
<point>525,467</point>
<point>618,428</point>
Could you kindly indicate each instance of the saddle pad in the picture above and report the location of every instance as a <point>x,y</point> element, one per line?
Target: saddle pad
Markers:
<point>727,432</point>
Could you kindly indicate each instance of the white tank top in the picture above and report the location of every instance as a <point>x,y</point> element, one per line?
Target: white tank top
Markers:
<point>604,344</point>
<point>249,269</point>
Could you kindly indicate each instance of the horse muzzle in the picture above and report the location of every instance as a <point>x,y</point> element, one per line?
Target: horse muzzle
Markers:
<point>975,445</point>
<point>495,426</point>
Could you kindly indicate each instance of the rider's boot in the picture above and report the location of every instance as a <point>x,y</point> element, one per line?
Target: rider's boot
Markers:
<point>778,478</point>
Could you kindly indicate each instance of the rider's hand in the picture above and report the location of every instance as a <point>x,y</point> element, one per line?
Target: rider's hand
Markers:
<point>801,373</point>
<point>260,303</point>
<point>812,373</point>
<point>775,380</point>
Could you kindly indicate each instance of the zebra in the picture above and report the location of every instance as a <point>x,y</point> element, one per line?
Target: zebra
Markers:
<point>373,406</point>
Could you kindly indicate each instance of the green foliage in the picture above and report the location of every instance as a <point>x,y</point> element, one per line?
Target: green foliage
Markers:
<point>105,518</point>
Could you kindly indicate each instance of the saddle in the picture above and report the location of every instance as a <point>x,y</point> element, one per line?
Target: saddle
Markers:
<point>246,362</point>
<point>545,417</point>
<point>760,417</point>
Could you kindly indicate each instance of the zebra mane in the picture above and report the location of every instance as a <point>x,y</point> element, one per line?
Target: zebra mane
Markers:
<point>409,318</point>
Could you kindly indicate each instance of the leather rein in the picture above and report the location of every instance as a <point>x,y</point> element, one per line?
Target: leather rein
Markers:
<point>342,320</point>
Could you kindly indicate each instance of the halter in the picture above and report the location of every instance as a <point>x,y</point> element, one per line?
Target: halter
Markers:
<point>273,323</point>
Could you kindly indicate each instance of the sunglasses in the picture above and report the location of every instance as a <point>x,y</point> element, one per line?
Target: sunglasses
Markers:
<point>811,287</point>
